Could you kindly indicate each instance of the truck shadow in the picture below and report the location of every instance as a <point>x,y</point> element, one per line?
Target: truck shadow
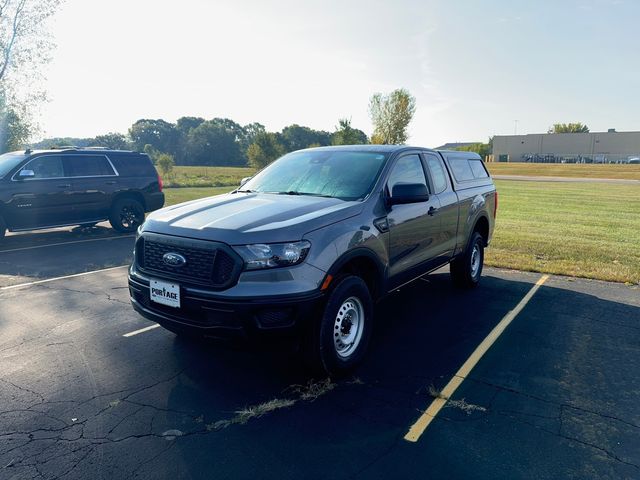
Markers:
<point>424,333</point>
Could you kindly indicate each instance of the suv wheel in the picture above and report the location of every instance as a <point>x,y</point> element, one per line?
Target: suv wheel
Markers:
<point>466,270</point>
<point>336,342</point>
<point>127,214</point>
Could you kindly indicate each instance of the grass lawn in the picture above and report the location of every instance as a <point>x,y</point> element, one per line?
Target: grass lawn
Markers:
<point>206,176</point>
<point>585,170</point>
<point>583,230</point>
<point>179,195</point>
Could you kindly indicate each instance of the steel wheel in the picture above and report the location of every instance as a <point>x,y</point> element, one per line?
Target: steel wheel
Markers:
<point>475,260</point>
<point>348,327</point>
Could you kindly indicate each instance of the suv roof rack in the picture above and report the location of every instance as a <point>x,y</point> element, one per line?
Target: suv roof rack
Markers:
<point>96,148</point>
<point>66,147</point>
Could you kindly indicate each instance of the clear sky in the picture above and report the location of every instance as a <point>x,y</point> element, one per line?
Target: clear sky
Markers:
<point>474,66</point>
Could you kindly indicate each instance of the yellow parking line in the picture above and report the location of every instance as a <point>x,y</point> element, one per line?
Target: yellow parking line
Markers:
<point>418,428</point>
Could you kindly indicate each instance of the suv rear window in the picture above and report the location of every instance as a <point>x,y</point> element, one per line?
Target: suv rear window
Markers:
<point>87,166</point>
<point>133,165</point>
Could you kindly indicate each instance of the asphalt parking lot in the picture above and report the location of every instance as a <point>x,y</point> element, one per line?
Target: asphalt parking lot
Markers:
<point>85,394</point>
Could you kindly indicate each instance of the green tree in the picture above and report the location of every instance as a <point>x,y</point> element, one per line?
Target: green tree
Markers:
<point>212,143</point>
<point>25,45</point>
<point>345,134</point>
<point>159,134</point>
<point>113,141</point>
<point>569,128</point>
<point>297,137</point>
<point>264,150</point>
<point>165,163</point>
<point>15,129</point>
<point>391,115</point>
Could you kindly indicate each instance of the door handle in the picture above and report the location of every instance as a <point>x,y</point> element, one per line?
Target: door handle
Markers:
<point>432,211</point>
<point>111,182</point>
<point>64,185</point>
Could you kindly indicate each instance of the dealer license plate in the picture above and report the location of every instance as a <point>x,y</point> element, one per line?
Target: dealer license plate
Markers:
<point>165,293</point>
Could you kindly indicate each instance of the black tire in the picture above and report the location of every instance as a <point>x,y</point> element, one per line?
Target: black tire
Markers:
<point>330,345</point>
<point>126,215</point>
<point>3,228</point>
<point>466,270</point>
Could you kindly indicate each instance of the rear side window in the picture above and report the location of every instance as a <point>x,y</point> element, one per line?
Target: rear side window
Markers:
<point>407,169</point>
<point>461,169</point>
<point>87,166</point>
<point>133,165</point>
<point>438,175</point>
<point>49,166</point>
<point>478,169</point>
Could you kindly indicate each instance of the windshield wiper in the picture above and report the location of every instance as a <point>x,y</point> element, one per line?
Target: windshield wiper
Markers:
<point>245,191</point>
<point>292,192</point>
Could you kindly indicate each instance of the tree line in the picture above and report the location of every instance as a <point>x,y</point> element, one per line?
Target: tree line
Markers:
<point>195,141</point>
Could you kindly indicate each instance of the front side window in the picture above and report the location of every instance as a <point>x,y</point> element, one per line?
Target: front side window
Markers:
<point>49,166</point>
<point>348,175</point>
<point>87,166</point>
<point>408,169</point>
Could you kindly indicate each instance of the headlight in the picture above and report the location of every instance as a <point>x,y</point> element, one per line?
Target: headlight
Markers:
<point>262,255</point>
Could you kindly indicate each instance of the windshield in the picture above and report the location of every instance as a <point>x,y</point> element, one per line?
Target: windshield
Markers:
<point>9,161</point>
<point>329,173</point>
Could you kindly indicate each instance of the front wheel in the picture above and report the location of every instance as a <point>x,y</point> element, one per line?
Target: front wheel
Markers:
<point>337,340</point>
<point>127,214</point>
<point>466,270</point>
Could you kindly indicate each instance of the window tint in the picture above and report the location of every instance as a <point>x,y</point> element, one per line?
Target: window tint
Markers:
<point>87,166</point>
<point>407,169</point>
<point>49,166</point>
<point>461,169</point>
<point>133,165</point>
<point>478,169</point>
<point>438,174</point>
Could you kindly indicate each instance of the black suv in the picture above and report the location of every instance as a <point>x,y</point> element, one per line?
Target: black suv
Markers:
<point>74,186</point>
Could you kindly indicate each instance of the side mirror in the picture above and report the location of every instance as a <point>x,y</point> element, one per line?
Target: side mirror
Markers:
<point>408,193</point>
<point>26,174</point>
<point>245,180</point>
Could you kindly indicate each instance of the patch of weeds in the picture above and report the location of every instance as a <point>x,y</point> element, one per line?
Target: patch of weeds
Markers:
<point>466,407</point>
<point>312,390</point>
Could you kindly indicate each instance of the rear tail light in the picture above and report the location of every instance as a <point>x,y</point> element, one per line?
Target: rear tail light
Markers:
<point>495,205</point>
<point>160,182</point>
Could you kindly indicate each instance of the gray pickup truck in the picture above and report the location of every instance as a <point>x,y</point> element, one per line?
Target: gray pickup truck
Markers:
<point>310,243</point>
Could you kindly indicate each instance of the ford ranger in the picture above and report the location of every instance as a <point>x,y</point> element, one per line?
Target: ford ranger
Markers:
<point>311,242</point>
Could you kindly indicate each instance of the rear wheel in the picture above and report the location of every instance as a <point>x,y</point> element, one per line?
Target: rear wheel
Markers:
<point>338,338</point>
<point>127,214</point>
<point>466,270</point>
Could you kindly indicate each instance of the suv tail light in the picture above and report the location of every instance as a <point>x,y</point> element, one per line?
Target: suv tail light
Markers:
<point>160,182</point>
<point>495,206</point>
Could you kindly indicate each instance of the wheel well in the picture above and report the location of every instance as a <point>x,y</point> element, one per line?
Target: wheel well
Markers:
<point>365,268</point>
<point>482,227</point>
<point>135,195</point>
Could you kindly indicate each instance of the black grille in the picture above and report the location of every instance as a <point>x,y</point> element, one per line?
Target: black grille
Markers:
<point>206,266</point>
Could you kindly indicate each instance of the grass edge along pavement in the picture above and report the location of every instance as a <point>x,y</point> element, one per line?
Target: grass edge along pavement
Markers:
<point>589,230</point>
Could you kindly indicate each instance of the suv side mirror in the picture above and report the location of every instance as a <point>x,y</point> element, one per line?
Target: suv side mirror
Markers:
<point>245,180</point>
<point>408,193</point>
<point>26,174</point>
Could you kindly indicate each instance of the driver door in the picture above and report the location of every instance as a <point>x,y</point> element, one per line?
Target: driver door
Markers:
<point>413,227</point>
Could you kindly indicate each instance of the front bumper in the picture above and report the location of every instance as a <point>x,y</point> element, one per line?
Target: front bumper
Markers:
<point>210,314</point>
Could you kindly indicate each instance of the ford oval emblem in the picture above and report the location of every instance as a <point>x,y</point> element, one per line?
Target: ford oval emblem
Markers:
<point>174,259</point>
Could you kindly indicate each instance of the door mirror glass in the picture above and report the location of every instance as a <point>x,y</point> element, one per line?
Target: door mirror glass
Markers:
<point>26,174</point>
<point>408,193</point>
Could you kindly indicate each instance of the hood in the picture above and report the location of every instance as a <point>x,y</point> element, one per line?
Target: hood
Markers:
<point>243,218</point>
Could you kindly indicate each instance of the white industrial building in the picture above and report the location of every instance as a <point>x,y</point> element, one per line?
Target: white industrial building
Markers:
<point>593,147</point>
